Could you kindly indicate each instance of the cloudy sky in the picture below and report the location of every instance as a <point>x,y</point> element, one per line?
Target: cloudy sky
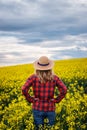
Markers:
<point>32,28</point>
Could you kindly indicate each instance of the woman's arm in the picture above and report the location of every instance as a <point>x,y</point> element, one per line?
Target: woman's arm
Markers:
<point>62,89</point>
<point>25,89</point>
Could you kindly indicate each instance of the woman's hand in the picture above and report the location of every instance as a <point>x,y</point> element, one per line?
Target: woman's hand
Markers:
<point>36,99</point>
<point>52,99</point>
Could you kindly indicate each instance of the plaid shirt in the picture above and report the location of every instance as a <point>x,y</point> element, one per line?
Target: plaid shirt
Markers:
<point>43,99</point>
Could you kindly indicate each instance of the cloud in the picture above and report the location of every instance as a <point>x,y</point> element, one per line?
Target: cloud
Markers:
<point>66,41</point>
<point>16,51</point>
<point>12,52</point>
<point>31,28</point>
<point>43,16</point>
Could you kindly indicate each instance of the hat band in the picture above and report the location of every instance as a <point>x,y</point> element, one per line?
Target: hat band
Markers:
<point>43,64</point>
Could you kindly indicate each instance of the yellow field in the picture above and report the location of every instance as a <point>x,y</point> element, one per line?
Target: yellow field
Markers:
<point>16,112</point>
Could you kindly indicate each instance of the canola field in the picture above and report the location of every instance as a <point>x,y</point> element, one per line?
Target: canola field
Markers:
<point>71,112</point>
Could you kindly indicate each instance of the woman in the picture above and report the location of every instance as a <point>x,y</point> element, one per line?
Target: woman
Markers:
<point>43,84</point>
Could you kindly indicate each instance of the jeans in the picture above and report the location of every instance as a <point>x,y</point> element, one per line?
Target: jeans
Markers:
<point>39,117</point>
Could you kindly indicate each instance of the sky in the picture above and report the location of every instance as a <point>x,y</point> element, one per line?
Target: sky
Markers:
<point>32,28</point>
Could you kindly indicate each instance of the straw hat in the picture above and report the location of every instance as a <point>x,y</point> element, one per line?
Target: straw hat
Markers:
<point>43,63</point>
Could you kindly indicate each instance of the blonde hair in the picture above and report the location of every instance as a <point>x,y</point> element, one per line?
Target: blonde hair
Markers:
<point>45,75</point>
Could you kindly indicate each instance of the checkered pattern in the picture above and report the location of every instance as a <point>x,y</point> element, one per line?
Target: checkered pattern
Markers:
<point>43,99</point>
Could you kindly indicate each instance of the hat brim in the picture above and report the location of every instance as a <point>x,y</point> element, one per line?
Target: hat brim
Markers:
<point>41,67</point>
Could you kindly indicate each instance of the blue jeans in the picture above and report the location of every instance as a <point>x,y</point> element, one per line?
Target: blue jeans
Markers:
<point>39,117</point>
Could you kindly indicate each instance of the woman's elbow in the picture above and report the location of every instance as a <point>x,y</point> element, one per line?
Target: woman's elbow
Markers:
<point>23,90</point>
<point>65,90</point>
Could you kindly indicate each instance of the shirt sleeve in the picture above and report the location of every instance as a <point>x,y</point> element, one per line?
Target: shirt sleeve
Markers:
<point>25,89</point>
<point>62,89</point>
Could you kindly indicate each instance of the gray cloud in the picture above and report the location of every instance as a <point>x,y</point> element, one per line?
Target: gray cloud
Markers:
<point>15,50</point>
<point>30,28</point>
<point>42,15</point>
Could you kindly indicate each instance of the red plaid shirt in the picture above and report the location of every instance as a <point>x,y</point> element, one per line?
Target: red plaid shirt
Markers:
<point>43,99</point>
